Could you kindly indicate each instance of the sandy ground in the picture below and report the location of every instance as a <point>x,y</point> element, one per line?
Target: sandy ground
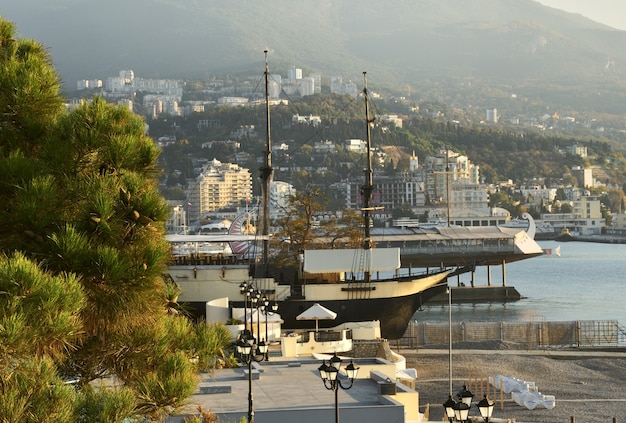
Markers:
<point>589,389</point>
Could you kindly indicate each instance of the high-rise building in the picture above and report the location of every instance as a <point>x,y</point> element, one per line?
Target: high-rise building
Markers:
<point>447,167</point>
<point>219,185</point>
<point>294,74</point>
<point>492,115</point>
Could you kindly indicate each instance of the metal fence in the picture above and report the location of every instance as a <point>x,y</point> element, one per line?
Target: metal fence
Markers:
<point>527,335</point>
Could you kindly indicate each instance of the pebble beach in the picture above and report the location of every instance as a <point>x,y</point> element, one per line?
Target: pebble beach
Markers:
<point>588,385</point>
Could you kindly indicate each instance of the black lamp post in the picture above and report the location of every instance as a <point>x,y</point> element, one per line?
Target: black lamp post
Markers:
<point>449,407</point>
<point>253,305</point>
<point>461,411</point>
<point>249,351</point>
<point>266,310</point>
<point>330,372</point>
<point>485,406</point>
<point>465,396</point>
<point>243,289</point>
<point>265,306</point>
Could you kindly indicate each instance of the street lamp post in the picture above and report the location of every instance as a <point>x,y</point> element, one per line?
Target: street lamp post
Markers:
<point>243,289</point>
<point>465,396</point>
<point>253,301</point>
<point>330,372</point>
<point>265,307</point>
<point>461,411</point>
<point>485,406</point>
<point>249,351</point>
<point>449,407</point>
<point>449,292</point>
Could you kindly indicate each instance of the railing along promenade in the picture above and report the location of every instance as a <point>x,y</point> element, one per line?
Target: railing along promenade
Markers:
<point>526,335</point>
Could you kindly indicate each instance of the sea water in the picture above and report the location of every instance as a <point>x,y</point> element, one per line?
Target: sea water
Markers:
<point>586,282</point>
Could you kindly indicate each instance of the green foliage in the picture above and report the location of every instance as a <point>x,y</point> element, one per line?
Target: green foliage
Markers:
<point>106,405</point>
<point>82,258</point>
<point>29,98</point>
<point>31,392</point>
<point>167,386</point>
<point>210,342</point>
<point>58,299</point>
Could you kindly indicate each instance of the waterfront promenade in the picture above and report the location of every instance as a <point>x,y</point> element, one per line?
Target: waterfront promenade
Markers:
<point>588,385</point>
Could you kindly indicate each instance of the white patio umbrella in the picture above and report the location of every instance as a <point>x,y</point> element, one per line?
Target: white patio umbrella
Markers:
<point>317,312</point>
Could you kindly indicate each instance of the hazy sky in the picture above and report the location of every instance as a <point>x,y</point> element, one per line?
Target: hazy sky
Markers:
<point>608,12</point>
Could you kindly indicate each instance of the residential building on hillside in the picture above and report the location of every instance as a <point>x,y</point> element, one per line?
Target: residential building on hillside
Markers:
<point>355,145</point>
<point>325,146</point>
<point>397,121</point>
<point>468,199</point>
<point>389,192</point>
<point>445,168</point>
<point>537,193</point>
<point>414,163</point>
<point>585,219</point>
<point>584,176</point>
<point>218,185</point>
<point>294,74</point>
<point>84,84</point>
<point>309,120</point>
<point>177,221</point>
<point>577,150</point>
<point>232,101</point>
<point>280,195</point>
<point>491,115</point>
<point>307,86</point>
<point>337,86</point>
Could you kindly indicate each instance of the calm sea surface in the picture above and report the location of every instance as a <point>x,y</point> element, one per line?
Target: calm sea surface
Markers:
<point>587,282</point>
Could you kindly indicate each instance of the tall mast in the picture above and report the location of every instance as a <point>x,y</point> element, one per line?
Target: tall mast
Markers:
<point>368,186</point>
<point>266,170</point>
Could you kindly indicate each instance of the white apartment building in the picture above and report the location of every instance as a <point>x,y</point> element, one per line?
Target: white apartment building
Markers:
<point>294,74</point>
<point>307,86</point>
<point>232,101</point>
<point>219,185</point>
<point>446,168</point>
<point>177,221</point>
<point>337,86</point>
<point>585,219</point>
<point>309,120</point>
<point>280,195</point>
<point>355,145</point>
<point>325,146</point>
<point>469,200</point>
<point>275,86</point>
<point>397,121</point>
<point>537,193</point>
<point>389,193</point>
<point>577,150</point>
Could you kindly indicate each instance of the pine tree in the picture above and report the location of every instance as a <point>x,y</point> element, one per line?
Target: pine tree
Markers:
<point>82,293</point>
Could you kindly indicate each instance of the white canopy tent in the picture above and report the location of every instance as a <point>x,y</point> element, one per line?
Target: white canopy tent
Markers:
<point>317,312</point>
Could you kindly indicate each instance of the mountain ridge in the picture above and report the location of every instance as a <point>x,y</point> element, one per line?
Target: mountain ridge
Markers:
<point>406,41</point>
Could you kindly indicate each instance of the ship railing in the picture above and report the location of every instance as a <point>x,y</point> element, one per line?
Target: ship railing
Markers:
<point>454,249</point>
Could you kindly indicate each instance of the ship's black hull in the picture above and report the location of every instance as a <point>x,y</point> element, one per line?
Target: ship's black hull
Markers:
<point>393,313</point>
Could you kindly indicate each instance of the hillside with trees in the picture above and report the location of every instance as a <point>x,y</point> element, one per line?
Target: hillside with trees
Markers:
<point>520,154</point>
